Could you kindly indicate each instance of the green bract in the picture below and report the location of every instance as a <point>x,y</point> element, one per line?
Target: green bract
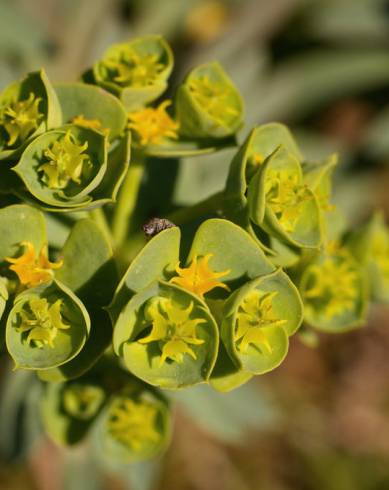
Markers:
<point>207,104</point>
<point>135,425</point>
<point>258,318</point>
<point>334,290</point>
<point>136,71</point>
<point>46,327</point>
<point>370,246</point>
<point>63,167</point>
<point>69,409</point>
<point>167,337</point>
<point>93,107</point>
<point>27,108</point>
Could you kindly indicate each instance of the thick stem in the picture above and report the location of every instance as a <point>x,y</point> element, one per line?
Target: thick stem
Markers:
<point>126,203</point>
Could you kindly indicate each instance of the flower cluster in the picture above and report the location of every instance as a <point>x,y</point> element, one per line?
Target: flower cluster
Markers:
<point>215,302</point>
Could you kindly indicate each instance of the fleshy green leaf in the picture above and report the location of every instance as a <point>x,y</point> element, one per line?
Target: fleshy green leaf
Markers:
<point>91,106</point>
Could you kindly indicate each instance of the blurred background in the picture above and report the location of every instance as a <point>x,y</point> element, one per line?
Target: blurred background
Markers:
<point>321,420</point>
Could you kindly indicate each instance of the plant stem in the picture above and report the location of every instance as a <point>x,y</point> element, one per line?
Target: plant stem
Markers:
<point>125,205</point>
<point>210,204</point>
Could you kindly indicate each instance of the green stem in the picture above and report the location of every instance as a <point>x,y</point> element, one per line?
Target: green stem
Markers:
<point>210,204</point>
<point>126,203</point>
<point>99,217</point>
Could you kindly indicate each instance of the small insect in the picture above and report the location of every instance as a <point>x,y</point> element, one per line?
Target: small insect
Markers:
<point>155,226</point>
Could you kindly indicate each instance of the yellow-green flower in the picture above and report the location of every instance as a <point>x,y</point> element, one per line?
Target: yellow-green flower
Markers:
<point>67,162</point>
<point>153,125</point>
<point>285,196</point>
<point>133,423</point>
<point>199,278</point>
<point>82,401</point>
<point>213,97</point>
<point>133,69</point>
<point>83,122</point>
<point>331,286</point>
<point>173,329</point>
<point>255,312</point>
<point>42,320</point>
<point>32,270</point>
<point>21,118</point>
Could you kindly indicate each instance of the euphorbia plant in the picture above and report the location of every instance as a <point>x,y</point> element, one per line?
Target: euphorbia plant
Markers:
<point>109,331</point>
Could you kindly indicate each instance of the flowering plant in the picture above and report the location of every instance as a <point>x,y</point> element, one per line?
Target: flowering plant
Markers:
<point>109,322</point>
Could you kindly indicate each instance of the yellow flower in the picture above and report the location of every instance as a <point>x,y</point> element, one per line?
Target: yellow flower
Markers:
<point>331,285</point>
<point>82,121</point>
<point>133,423</point>
<point>21,118</point>
<point>213,97</point>
<point>133,69</point>
<point>66,163</point>
<point>286,196</point>
<point>152,125</point>
<point>255,312</point>
<point>32,270</point>
<point>199,278</point>
<point>82,401</point>
<point>173,328</point>
<point>206,20</point>
<point>42,321</point>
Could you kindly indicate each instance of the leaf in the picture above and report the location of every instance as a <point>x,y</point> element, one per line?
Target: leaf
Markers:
<point>94,103</point>
<point>19,223</point>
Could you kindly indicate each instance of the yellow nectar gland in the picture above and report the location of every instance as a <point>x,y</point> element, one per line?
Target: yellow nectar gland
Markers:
<point>32,270</point>
<point>67,161</point>
<point>153,125</point>
<point>95,124</point>
<point>332,285</point>
<point>255,312</point>
<point>173,328</point>
<point>42,321</point>
<point>133,423</point>
<point>82,401</point>
<point>21,118</point>
<point>212,97</point>
<point>133,69</point>
<point>199,278</point>
<point>286,197</point>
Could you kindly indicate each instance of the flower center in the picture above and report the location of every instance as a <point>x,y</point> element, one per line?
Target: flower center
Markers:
<point>152,125</point>
<point>67,163</point>
<point>286,197</point>
<point>133,69</point>
<point>41,320</point>
<point>331,286</point>
<point>133,423</point>
<point>213,97</point>
<point>173,328</point>
<point>254,313</point>
<point>21,118</point>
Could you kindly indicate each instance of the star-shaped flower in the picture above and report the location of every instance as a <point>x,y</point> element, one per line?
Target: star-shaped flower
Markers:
<point>32,270</point>
<point>173,328</point>
<point>199,278</point>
